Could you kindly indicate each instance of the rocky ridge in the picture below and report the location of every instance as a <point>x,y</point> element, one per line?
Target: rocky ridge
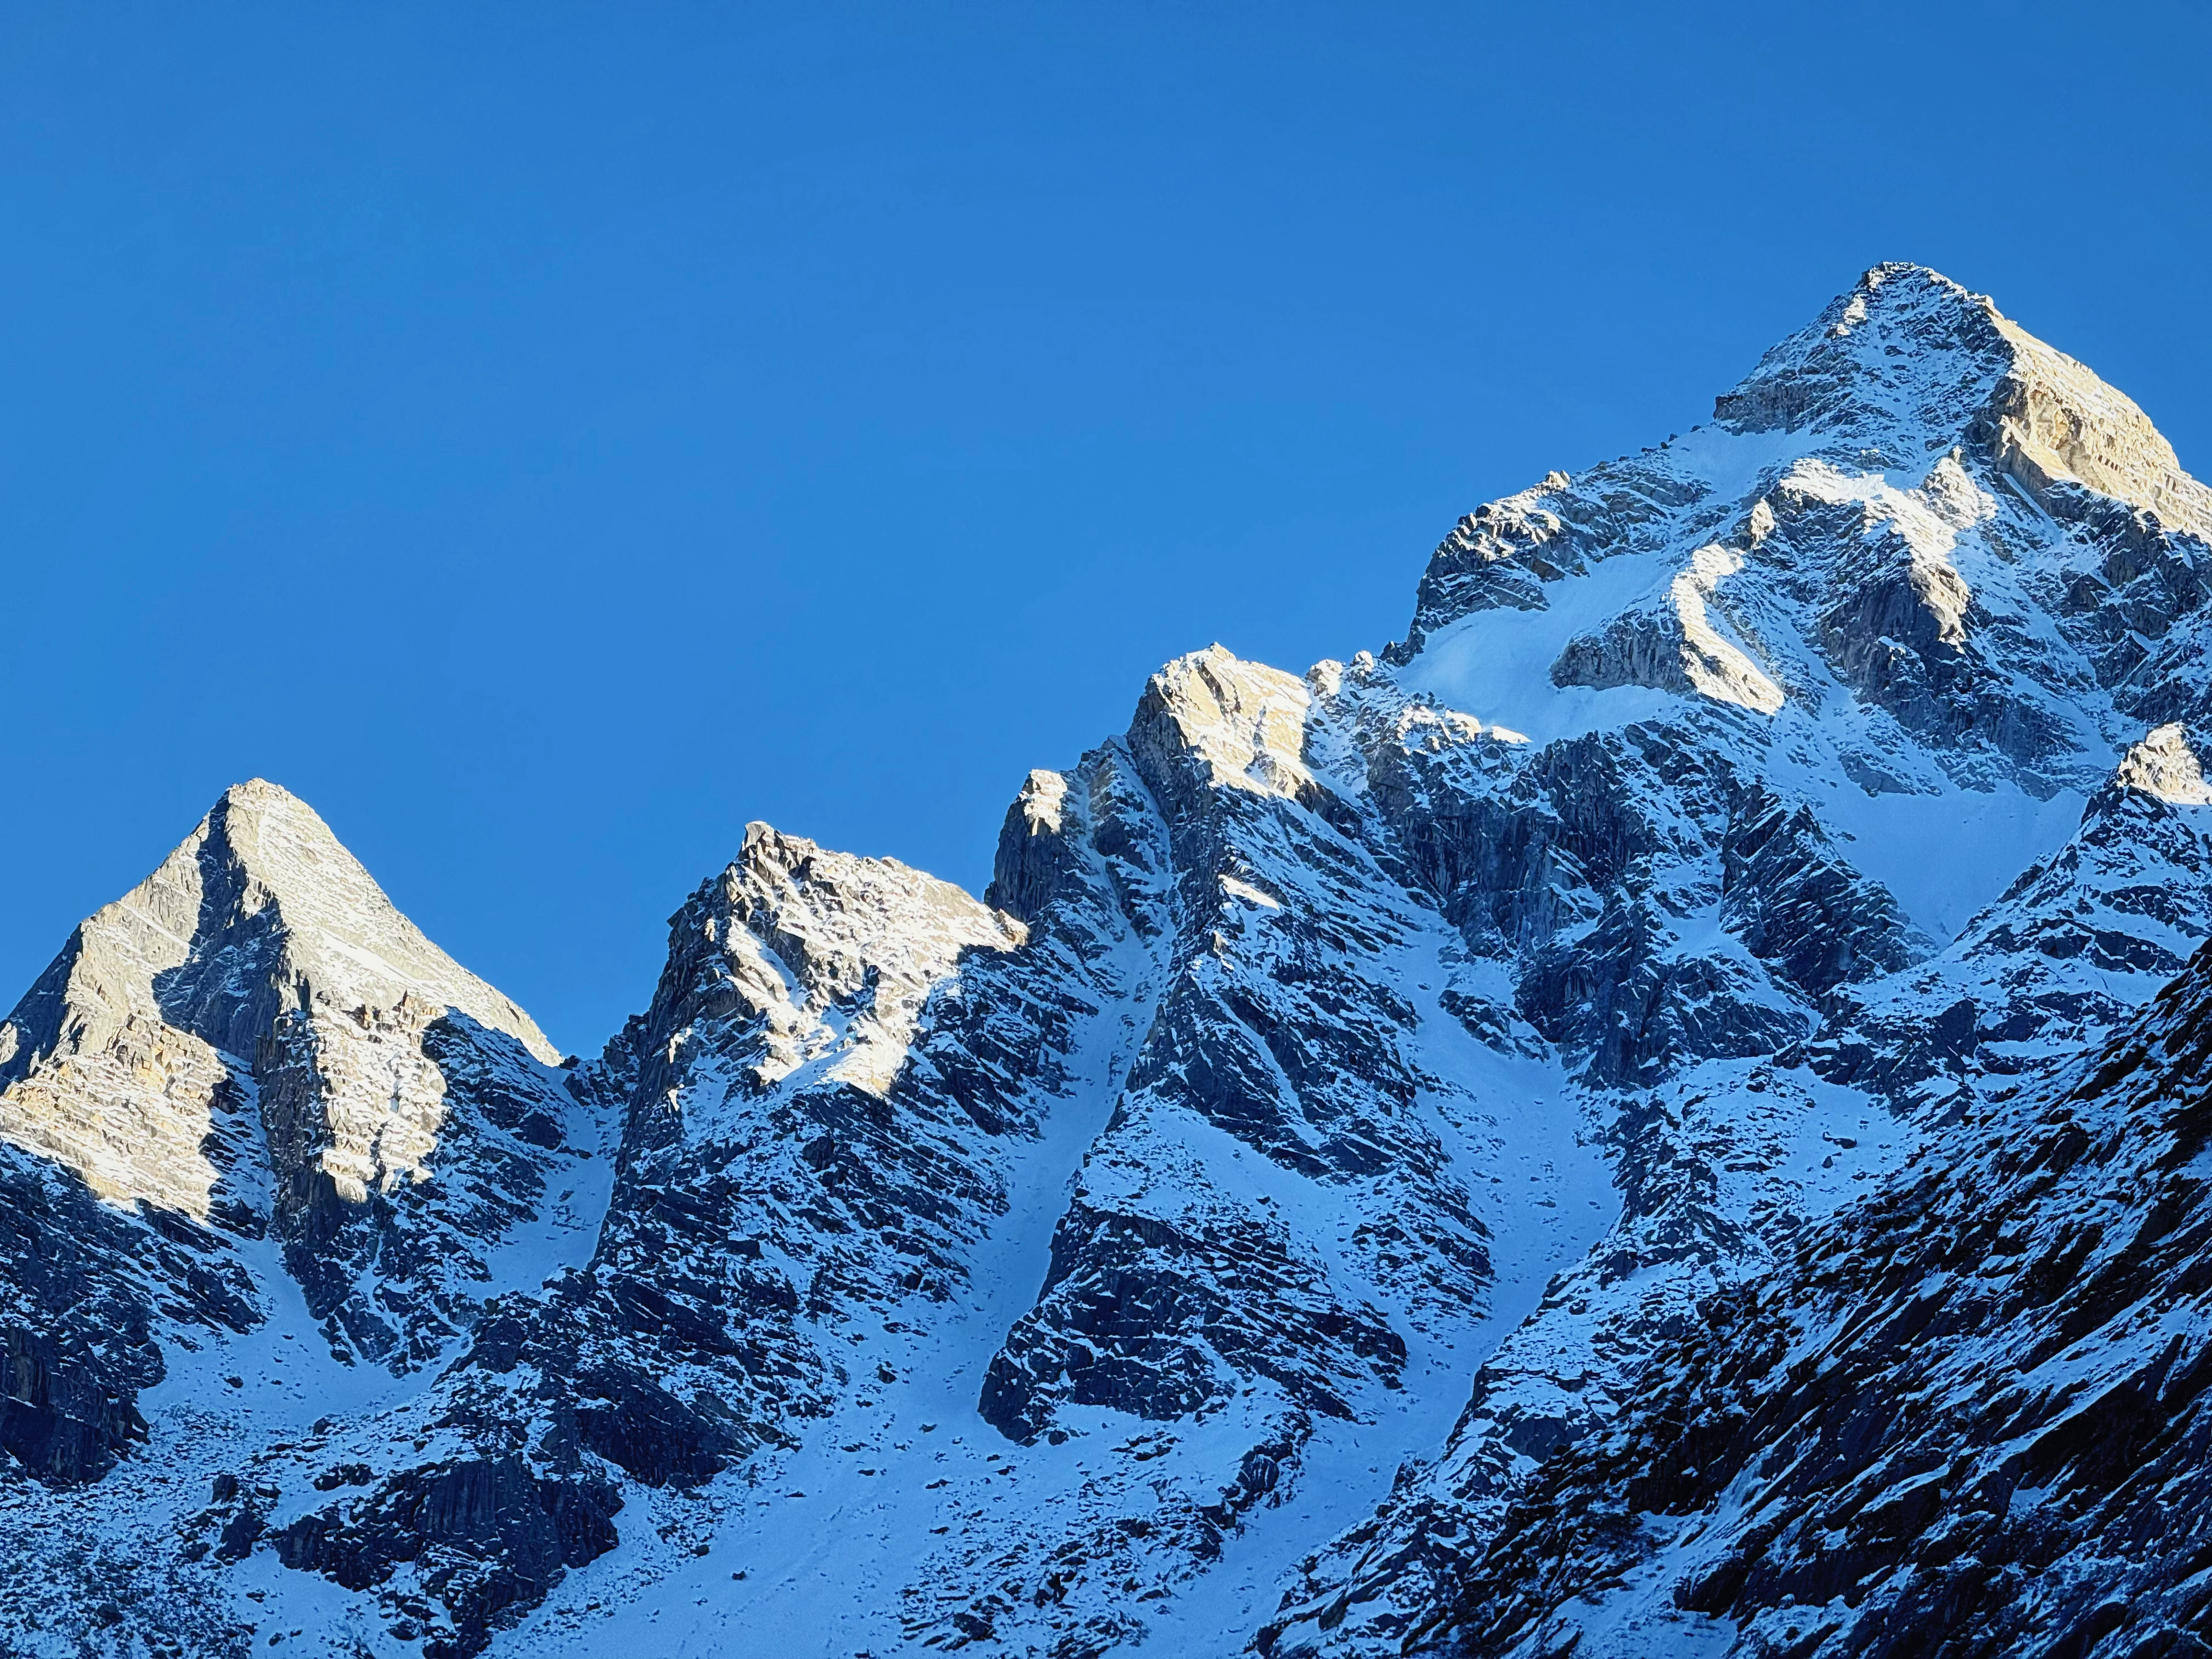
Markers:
<point>1749,836</point>
<point>1953,633</point>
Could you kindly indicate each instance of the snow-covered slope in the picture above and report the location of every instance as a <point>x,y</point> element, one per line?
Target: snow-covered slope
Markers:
<point>1969,1414</point>
<point>1282,1212</point>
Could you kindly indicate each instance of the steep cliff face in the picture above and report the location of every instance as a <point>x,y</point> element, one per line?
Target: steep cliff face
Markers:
<point>1281,1241</point>
<point>1833,902</point>
<point>1154,1185</point>
<point>1655,991</point>
<point>1968,1414</point>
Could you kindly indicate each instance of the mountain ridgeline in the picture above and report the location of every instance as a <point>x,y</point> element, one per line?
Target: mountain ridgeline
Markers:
<point>1662,1114</point>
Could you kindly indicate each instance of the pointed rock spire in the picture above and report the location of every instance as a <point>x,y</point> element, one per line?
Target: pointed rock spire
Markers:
<point>2163,764</point>
<point>255,1033</point>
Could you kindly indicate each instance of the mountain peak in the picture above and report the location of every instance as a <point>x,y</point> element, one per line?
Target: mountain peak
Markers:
<point>255,1038</point>
<point>258,913</point>
<point>241,811</point>
<point>1911,473</point>
<point>1905,347</point>
<point>2165,765</point>
<point>261,792</point>
<point>1907,361</point>
<point>1245,722</point>
<point>1326,1058</point>
<point>263,849</point>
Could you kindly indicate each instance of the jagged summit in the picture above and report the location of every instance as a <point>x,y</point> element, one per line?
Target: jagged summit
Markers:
<point>1910,358</point>
<point>258,910</point>
<point>254,1036</point>
<point>333,910</point>
<point>1906,352</point>
<point>827,957</point>
<point>1913,535</point>
<point>1246,720</point>
<point>1903,374</point>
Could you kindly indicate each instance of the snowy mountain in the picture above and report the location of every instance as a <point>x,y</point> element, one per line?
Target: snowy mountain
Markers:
<point>1651,1117</point>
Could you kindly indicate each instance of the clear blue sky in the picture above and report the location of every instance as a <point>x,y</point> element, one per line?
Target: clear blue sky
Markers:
<point>546,437</point>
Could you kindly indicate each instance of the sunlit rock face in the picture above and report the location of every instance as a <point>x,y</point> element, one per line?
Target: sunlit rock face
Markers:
<point>253,1039</point>
<point>1569,1134</point>
<point>252,1110</point>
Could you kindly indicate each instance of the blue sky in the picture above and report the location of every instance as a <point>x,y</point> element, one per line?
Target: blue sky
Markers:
<point>547,437</point>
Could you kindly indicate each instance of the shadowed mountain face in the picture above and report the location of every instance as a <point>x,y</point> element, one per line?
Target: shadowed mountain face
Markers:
<point>1968,1414</point>
<point>1572,1134</point>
